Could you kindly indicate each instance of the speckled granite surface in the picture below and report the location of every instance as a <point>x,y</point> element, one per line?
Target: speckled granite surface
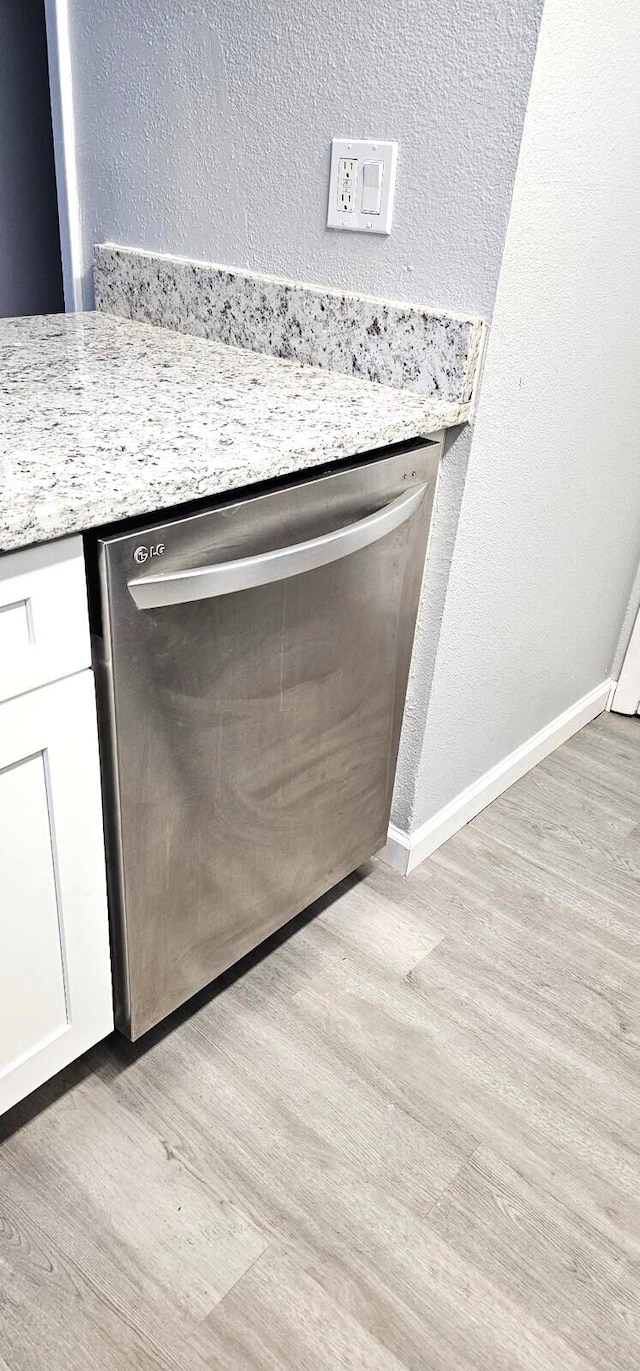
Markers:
<point>101,419</point>
<point>425,350</point>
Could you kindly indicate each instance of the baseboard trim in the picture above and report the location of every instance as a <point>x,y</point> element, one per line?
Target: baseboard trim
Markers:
<point>405,851</point>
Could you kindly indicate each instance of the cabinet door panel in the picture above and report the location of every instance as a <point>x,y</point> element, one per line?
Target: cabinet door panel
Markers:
<point>55,981</point>
<point>32,955</point>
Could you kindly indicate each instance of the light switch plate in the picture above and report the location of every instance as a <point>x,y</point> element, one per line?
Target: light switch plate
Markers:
<point>348,156</point>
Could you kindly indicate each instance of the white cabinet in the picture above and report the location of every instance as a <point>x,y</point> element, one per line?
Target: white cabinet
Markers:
<point>55,976</point>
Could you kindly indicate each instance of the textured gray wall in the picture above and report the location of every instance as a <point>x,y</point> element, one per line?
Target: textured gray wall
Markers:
<point>204,130</point>
<point>30,271</point>
<point>413,764</point>
<point>548,539</point>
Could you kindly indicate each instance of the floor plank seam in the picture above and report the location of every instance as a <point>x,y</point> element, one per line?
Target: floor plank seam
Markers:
<point>406,978</point>
<point>466,1162</point>
<point>265,1251</point>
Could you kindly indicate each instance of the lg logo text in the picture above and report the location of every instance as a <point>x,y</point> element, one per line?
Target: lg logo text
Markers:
<point>142,554</point>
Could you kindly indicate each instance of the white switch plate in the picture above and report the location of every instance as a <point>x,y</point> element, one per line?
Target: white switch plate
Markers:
<point>344,153</point>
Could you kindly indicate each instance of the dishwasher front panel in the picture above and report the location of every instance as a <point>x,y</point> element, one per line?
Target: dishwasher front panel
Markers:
<point>253,667</point>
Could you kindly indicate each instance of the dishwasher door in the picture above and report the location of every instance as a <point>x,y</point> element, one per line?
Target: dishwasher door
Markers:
<point>252,663</point>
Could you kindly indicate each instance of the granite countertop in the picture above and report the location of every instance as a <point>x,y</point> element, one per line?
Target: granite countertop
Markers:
<point>102,418</point>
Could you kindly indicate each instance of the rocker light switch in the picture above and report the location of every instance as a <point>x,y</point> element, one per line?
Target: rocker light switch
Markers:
<point>371,187</point>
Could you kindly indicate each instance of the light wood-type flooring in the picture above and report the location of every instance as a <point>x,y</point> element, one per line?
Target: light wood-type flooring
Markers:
<point>406,1136</point>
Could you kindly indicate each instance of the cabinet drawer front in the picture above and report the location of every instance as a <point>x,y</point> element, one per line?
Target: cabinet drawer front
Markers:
<point>44,624</point>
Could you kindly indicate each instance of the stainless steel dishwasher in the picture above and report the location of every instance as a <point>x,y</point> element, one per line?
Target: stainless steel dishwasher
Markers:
<point>252,661</point>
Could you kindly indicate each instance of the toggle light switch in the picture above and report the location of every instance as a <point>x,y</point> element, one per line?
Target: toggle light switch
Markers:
<point>371,187</point>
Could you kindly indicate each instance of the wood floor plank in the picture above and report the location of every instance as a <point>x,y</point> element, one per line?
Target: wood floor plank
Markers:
<point>370,924</point>
<point>278,1318</point>
<point>151,1235</point>
<point>291,1110</point>
<point>540,1251</point>
<point>573,824</point>
<point>465,1054</point>
<point>452,1317</point>
<point>526,996</point>
<point>51,1314</point>
<point>481,883</point>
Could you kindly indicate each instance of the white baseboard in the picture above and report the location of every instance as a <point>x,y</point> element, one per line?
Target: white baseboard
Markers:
<point>405,851</point>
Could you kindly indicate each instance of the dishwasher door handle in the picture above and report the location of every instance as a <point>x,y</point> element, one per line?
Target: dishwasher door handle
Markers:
<point>224,578</point>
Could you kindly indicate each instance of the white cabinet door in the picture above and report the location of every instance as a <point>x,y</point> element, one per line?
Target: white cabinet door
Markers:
<point>55,972</point>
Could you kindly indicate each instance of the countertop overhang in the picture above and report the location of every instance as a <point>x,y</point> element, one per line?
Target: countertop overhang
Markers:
<point>102,418</point>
